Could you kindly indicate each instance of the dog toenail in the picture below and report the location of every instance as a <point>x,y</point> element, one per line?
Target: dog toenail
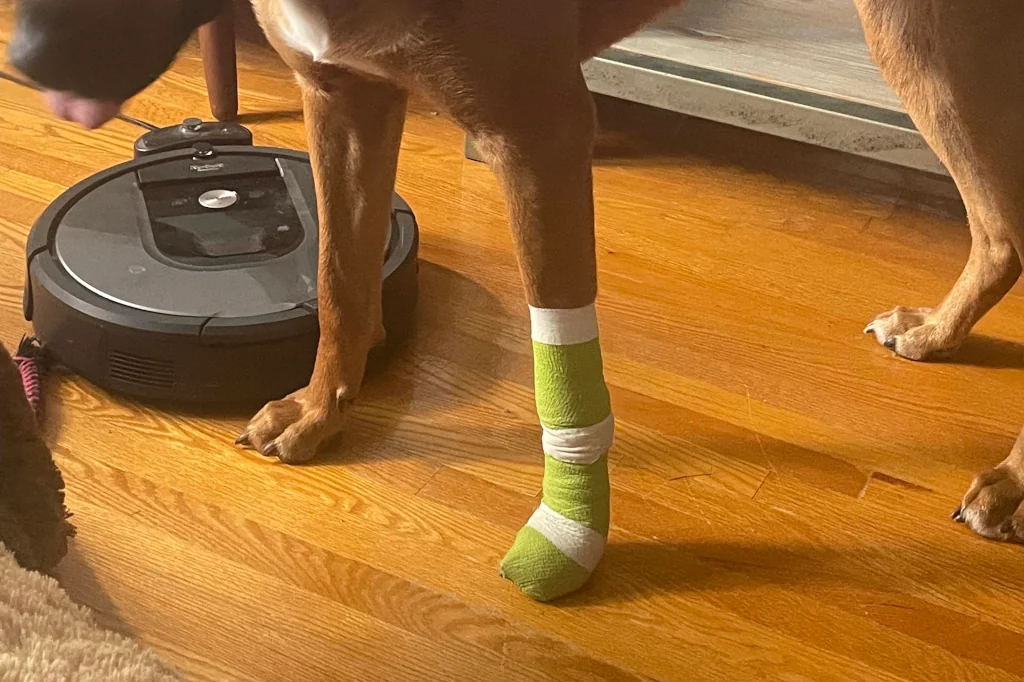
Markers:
<point>1007,527</point>
<point>270,449</point>
<point>958,515</point>
<point>243,439</point>
<point>890,343</point>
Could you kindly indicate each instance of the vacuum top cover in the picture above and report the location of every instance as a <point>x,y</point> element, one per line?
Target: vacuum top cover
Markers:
<point>234,245</point>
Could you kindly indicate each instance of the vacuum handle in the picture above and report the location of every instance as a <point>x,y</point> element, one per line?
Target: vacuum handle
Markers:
<point>189,132</point>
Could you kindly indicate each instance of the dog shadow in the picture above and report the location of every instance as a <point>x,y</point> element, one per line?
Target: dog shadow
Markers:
<point>400,387</point>
<point>637,135</point>
<point>979,350</point>
<point>633,571</point>
<point>77,578</point>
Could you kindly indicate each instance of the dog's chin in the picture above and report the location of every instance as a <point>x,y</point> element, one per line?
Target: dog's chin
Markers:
<point>88,113</point>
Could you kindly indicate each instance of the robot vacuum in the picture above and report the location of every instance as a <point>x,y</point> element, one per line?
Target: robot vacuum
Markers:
<point>188,274</point>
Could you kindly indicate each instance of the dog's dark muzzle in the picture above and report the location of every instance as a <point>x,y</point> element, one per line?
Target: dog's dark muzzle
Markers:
<point>103,49</point>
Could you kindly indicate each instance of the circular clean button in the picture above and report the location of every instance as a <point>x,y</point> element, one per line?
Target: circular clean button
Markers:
<point>218,198</point>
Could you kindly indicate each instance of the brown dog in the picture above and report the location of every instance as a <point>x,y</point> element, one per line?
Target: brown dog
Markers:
<point>509,73</point>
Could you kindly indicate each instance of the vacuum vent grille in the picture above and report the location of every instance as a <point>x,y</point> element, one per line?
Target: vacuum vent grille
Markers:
<point>135,369</point>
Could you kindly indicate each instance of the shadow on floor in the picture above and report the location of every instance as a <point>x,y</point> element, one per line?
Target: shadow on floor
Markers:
<point>633,134</point>
<point>77,578</point>
<point>390,389</point>
<point>988,351</point>
<point>633,570</point>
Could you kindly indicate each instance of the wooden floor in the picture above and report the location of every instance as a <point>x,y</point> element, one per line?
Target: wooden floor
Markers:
<point>782,484</point>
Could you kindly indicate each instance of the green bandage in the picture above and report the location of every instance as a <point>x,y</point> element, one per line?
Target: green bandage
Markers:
<point>555,553</point>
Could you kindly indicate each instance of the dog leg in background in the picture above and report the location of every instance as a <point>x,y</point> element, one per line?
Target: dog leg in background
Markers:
<point>354,126</point>
<point>960,75</point>
<point>993,506</point>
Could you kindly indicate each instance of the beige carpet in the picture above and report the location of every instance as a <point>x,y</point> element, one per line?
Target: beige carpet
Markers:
<point>45,637</point>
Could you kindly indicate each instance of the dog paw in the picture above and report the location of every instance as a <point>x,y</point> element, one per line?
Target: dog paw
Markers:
<point>911,333</point>
<point>992,506</point>
<point>293,429</point>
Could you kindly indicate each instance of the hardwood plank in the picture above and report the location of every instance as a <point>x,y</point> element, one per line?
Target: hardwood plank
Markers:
<point>330,639</point>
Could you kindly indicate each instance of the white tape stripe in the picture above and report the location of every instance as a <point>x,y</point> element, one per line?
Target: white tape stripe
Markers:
<point>580,446</point>
<point>567,327</point>
<point>581,544</point>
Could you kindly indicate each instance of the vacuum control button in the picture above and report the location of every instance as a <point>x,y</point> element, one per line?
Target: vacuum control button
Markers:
<point>202,150</point>
<point>218,198</point>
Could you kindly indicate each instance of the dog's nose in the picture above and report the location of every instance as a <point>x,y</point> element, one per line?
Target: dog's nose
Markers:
<point>45,48</point>
<point>88,113</point>
<point>102,49</point>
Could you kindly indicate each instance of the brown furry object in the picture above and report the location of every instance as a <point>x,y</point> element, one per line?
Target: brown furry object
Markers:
<point>33,519</point>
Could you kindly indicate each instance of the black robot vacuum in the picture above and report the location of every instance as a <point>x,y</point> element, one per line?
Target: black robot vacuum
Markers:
<point>189,273</point>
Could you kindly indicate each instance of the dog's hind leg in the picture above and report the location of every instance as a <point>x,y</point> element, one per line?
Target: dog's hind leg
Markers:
<point>960,74</point>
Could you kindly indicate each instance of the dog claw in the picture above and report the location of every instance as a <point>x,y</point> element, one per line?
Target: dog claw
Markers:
<point>1007,528</point>
<point>270,449</point>
<point>890,343</point>
<point>243,439</point>
<point>958,515</point>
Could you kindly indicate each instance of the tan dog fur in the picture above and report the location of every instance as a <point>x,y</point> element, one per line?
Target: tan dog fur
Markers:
<point>509,73</point>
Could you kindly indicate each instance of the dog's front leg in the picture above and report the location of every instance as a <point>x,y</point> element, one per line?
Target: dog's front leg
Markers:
<point>540,145</point>
<point>994,504</point>
<point>354,125</point>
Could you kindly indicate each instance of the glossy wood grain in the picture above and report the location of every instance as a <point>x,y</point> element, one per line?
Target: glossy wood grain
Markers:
<point>782,484</point>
